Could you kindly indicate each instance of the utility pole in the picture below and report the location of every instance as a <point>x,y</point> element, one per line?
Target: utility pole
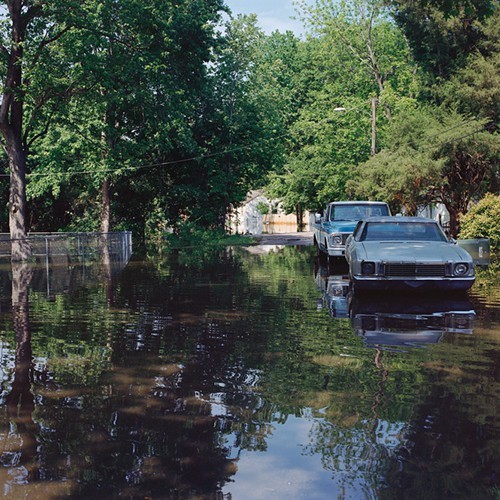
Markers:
<point>374,101</point>
<point>373,150</point>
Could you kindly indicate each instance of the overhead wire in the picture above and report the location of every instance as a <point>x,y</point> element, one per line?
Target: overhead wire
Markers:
<point>153,165</point>
<point>212,155</point>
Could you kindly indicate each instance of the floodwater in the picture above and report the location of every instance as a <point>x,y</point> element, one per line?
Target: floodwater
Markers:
<point>245,373</point>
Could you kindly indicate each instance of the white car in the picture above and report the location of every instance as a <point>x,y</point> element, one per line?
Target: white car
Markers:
<point>406,253</point>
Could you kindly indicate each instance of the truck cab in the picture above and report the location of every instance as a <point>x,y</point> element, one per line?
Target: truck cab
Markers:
<point>339,220</point>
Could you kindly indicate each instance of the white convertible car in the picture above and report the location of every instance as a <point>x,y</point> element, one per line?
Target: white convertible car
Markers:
<point>412,253</point>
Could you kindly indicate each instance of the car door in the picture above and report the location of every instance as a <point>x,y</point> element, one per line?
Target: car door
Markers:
<point>351,241</point>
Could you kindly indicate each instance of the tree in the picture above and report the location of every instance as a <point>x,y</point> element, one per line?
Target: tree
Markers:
<point>117,151</point>
<point>11,117</point>
<point>475,87</point>
<point>355,54</point>
<point>432,156</point>
<point>244,117</point>
<point>442,33</point>
<point>29,95</point>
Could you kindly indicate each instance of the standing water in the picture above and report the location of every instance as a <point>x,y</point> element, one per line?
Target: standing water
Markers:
<point>243,373</point>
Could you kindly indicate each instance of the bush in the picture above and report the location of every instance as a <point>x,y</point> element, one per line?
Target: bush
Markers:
<point>483,221</point>
<point>263,208</point>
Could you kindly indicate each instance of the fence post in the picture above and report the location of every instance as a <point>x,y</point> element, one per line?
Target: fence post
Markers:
<point>47,265</point>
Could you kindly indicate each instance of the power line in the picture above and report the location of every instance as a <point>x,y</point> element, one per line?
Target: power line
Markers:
<point>219,153</point>
<point>153,165</point>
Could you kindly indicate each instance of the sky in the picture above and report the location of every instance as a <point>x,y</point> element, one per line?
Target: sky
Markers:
<point>272,15</point>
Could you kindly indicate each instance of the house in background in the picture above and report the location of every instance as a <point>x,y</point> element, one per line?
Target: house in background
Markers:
<point>437,212</point>
<point>258,214</point>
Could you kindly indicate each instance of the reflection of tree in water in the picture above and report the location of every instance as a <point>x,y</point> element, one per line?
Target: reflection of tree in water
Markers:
<point>148,426</point>
<point>451,447</point>
<point>195,367</point>
<point>19,401</point>
<point>444,444</point>
<point>145,426</point>
<point>143,431</point>
<point>356,436</point>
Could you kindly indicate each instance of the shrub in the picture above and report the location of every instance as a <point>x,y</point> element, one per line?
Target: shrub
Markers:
<point>483,221</point>
<point>263,208</point>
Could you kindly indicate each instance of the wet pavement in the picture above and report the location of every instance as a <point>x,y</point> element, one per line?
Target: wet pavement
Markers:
<point>303,238</point>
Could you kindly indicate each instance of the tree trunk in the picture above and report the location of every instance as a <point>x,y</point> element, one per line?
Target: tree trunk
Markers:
<point>300,216</point>
<point>453,231</point>
<point>105,207</point>
<point>11,127</point>
<point>20,247</point>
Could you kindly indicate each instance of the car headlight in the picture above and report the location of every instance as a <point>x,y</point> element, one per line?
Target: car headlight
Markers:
<point>368,267</point>
<point>460,269</point>
<point>336,239</point>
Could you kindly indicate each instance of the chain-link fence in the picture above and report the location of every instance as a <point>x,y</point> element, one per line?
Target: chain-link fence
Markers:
<point>65,261</point>
<point>74,247</point>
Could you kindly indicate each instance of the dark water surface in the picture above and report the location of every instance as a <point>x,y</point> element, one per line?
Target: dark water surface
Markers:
<point>246,373</point>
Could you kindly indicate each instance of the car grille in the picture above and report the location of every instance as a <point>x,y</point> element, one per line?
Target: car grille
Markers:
<point>344,237</point>
<point>418,270</point>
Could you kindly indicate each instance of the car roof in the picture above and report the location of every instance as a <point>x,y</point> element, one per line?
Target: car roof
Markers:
<point>360,202</point>
<point>399,218</point>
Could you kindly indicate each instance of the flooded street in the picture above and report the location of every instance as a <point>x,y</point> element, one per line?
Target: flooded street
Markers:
<point>243,373</point>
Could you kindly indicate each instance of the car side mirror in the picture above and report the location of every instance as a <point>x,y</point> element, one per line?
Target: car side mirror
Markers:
<point>317,218</point>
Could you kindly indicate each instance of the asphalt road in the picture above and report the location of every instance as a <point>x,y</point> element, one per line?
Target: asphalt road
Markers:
<point>304,238</point>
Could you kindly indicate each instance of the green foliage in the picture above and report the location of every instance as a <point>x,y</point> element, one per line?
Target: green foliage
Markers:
<point>483,221</point>
<point>263,208</point>
<point>194,244</point>
<point>442,33</point>
<point>124,91</point>
<point>357,53</point>
<point>182,119</point>
<point>475,87</point>
<point>432,156</point>
<point>247,106</point>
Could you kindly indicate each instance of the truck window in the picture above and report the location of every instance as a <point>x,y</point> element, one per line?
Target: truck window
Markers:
<point>355,211</point>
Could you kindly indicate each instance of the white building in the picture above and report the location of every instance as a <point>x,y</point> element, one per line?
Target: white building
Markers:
<point>258,214</point>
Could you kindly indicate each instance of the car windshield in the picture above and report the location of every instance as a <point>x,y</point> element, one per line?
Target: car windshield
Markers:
<point>357,212</point>
<point>405,231</point>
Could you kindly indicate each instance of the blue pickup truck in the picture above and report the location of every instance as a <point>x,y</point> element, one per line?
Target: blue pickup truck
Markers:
<point>339,220</point>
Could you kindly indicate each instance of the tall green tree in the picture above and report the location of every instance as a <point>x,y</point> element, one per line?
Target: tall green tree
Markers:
<point>245,114</point>
<point>442,33</point>
<point>28,31</point>
<point>355,54</point>
<point>432,156</point>
<point>118,150</point>
<point>475,87</point>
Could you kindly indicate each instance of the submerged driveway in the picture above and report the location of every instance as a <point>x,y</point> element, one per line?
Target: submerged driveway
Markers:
<point>304,238</point>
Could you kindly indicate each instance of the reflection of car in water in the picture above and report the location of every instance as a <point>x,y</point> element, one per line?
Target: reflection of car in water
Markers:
<point>405,322</point>
<point>334,289</point>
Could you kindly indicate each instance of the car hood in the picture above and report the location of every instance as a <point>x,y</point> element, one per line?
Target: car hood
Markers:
<point>346,226</point>
<point>412,251</point>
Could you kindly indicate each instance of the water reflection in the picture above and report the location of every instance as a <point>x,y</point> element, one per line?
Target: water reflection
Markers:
<point>20,443</point>
<point>218,377</point>
<point>407,321</point>
<point>334,288</point>
<point>397,320</point>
